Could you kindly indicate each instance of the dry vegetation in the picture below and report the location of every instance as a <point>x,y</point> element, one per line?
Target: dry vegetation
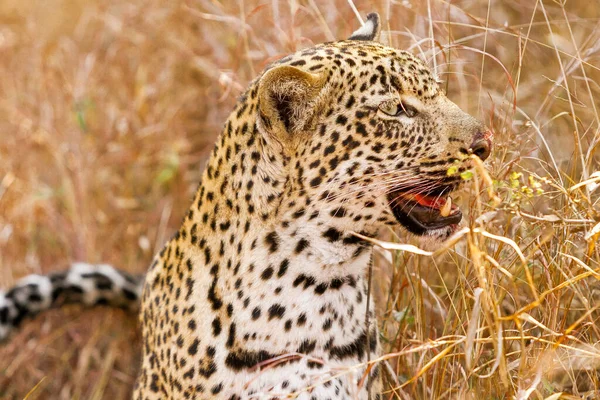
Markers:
<point>109,107</point>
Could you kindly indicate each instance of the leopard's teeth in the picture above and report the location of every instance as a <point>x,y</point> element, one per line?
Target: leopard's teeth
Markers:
<point>445,209</point>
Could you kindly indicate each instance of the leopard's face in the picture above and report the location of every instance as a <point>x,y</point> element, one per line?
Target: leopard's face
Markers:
<point>380,143</point>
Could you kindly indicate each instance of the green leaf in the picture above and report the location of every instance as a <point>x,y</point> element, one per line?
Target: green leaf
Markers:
<point>452,170</point>
<point>466,175</point>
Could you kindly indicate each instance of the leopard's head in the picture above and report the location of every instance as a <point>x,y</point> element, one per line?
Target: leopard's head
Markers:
<point>369,135</point>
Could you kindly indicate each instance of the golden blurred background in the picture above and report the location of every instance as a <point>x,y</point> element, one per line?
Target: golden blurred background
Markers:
<point>108,109</point>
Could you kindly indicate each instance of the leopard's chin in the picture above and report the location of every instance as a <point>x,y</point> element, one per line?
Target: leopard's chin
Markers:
<point>426,215</point>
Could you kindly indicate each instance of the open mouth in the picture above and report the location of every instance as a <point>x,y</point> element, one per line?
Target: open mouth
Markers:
<point>425,213</point>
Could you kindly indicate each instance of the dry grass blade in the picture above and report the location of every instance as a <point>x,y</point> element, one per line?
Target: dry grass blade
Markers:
<point>409,248</point>
<point>109,109</point>
<point>33,389</point>
<point>472,330</point>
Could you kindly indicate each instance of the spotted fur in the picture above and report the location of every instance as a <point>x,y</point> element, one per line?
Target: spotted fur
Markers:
<point>262,292</point>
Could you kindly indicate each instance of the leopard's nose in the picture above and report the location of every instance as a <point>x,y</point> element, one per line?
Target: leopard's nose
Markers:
<point>482,145</point>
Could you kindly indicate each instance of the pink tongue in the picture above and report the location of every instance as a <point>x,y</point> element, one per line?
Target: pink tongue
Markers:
<point>429,201</point>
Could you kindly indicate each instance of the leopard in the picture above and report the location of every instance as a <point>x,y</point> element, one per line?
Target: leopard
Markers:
<point>263,292</point>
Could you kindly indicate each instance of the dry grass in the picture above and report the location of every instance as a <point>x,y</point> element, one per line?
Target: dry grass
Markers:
<point>107,112</point>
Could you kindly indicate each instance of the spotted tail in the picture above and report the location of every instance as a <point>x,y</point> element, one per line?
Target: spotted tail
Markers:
<point>83,283</point>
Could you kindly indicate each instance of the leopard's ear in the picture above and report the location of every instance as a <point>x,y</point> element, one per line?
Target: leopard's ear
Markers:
<point>288,100</point>
<point>369,31</point>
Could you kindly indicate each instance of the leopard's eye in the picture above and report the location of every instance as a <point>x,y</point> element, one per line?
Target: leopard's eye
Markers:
<point>395,109</point>
<point>389,108</point>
